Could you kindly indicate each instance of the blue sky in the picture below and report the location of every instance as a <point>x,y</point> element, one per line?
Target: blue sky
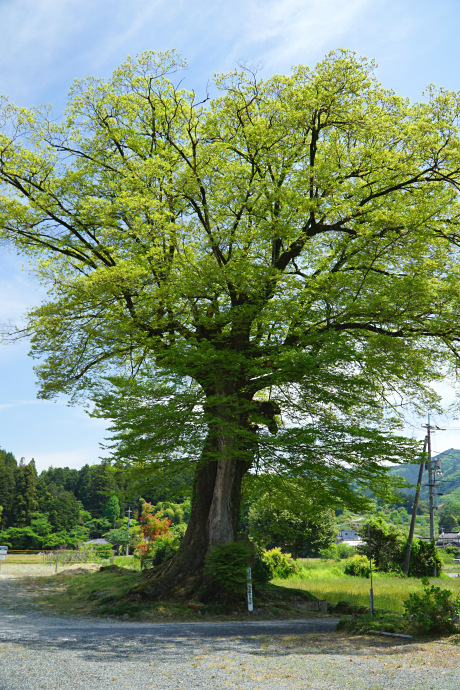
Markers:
<point>49,43</point>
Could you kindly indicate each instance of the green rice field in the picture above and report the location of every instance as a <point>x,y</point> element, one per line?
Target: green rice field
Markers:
<point>326,580</point>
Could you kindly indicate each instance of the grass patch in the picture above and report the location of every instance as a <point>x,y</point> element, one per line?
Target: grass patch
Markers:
<point>326,580</point>
<point>381,622</point>
<point>104,593</point>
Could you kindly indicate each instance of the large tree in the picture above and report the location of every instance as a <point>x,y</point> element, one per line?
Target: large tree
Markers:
<point>278,263</point>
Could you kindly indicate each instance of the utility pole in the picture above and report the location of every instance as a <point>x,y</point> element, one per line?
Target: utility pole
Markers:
<point>414,511</point>
<point>129,511</point>
<point>431,479</point>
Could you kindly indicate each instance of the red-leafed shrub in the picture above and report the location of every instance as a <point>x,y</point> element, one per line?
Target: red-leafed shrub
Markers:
<point>153,526</point>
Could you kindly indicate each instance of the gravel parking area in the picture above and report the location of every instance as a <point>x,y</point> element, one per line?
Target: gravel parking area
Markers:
<point>67,653</point>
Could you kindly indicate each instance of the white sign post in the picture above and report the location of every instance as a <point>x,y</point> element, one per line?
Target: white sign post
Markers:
<point>249,574</point>
<point>3,552</point>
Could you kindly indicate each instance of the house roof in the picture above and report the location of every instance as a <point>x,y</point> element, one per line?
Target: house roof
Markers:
<point>97,541</point>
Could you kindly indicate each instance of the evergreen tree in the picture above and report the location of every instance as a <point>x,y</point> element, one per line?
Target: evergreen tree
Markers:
<point>111,510</point>
<point>8,467</point>
<point>26,494</point>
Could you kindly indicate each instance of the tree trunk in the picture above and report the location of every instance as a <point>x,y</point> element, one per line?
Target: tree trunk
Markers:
<point>214,515</point>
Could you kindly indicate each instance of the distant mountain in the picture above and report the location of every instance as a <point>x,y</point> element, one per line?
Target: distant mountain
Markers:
<point>449,483</point>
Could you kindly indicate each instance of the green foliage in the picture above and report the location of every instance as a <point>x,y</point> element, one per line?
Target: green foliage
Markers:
<point>386,544</point>
<point>424,558</point>
<point>111,510</point>
<point>451,552</point>
<point>26,497</point>
<point>449,512</point>
<point>21,538</point>
<point>103,550</point>
<point>61,506</point>
<point>176,512</point>
<point>57,540</point>
<point>388,549</point>
<point>119,538</point>
<point>338,551</point>
<point>282,202</point>
<point>225,567</point>
<point>358,566</point>
<point>40,524</point>
<point>450,503</point>
<point>257,270</point>
<point>8,467</point>
<point>281,564</point>
<point>291,521</point>
<point>434,610</point>
<point>261,571</point>
<point>164,548</point>
<point>97,527</point>
<point>449,523</point>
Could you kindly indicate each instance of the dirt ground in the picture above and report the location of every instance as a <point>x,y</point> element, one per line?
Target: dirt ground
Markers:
<point>10,571</point>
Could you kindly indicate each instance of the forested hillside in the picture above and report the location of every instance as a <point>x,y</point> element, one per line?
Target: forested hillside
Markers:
<point>66,507</point>
<point>62,505</point>
<point>448,487</point>
<point>450,481</point>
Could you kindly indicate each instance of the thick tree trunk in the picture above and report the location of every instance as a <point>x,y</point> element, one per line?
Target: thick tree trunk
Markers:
<point>214,514</point>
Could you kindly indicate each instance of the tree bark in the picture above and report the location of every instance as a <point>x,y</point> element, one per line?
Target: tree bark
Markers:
<point>214,514</point>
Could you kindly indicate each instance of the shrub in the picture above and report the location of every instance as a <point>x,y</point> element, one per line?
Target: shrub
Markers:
<point>164,548</point>
<point>433,610</point>
<point>225,568</point>
<point>153,526</point>
<point>280,564</point>
<point>338,552</point>
<point>358,566</point>
<point>386,544</point>
<point>104,550</point>
<point>261,572</point>
<point>423,559</point>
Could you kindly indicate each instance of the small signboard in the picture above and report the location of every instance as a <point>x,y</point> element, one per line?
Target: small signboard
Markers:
<point>249,576</point>
<point>3,552</point>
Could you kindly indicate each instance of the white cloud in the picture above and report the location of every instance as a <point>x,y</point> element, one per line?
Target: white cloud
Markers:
<point>48,43</point>
<point>23,403</point>
<point>295,31</point>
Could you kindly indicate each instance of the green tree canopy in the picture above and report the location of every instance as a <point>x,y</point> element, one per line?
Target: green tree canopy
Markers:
<point>26,495</point>
<point>111,509</point>
<point>8,467</point>
<point>292,521</point>
<point>383,543</point>
<point>279,262</point>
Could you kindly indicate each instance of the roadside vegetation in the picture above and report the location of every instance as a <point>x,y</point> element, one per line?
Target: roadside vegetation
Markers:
<point>108,593</point>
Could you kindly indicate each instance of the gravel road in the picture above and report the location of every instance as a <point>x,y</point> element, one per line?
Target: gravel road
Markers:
<point>64,653</point>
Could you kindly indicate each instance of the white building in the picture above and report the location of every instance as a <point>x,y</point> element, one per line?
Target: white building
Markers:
<point>348,536</point>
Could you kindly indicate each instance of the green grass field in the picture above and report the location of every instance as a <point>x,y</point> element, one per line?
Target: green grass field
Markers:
<point>326,580</point>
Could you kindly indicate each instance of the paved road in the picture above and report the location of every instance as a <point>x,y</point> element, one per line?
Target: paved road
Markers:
<point>65,653</point>
<point>29,627</point>
<point>40,652</point>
